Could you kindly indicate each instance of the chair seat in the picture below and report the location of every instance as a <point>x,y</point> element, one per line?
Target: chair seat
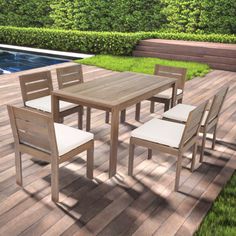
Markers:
<point>69,138</point>
<point>160,131</point>
<point>168,93</point>
<point>181,112</point>
<point>44,104</point>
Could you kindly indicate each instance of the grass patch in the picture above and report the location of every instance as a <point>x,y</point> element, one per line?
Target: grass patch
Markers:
<point>221,219</point>
<point>143,64</point>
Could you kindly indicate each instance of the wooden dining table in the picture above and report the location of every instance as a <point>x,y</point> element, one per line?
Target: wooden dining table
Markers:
<point>114,94</point>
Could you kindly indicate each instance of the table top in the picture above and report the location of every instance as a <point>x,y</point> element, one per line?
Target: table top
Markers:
<point>121,90</point>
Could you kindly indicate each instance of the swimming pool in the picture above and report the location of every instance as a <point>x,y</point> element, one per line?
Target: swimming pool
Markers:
<point>14,61</point>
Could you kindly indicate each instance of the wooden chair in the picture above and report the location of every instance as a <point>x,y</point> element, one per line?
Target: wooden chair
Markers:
<point>180,112</point>
<point>166,96</point>
<point>69,75</point>
<point>36,134</point>
<point>36,91</point>
<point>72,75</point>
<point>170,137</point>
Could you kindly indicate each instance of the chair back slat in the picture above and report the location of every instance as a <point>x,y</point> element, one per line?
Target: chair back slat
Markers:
<point>35,85</point>
<point>31,128</point>
<point>172,72</point>
<point>193,123</point>
<point>70,75</point>
<point>217,104</point>
<point>38,85</point>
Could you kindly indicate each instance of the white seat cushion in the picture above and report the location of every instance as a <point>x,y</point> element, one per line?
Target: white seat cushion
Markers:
<point>168,93</point>
<point>44,104</point>
<point>69,138</point>
<point>160,131</point>
<point>181,112</point>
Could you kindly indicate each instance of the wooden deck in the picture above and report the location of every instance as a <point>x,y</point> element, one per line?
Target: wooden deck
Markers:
<point>220,56</point>
<point>143,205</point>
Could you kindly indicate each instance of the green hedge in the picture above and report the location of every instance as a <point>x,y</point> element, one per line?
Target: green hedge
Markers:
<point>218,16</point>
<point>204,16</point>
<point>113,43</point>
<point>112,15</point>
<point>190,16</point>
<point>69,40</point>
<point>21,13</point>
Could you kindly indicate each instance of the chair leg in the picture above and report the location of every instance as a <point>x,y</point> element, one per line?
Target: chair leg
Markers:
<point>88,119</point>
<point>107,118</point>
<point>214,138</point>
<point>122,116</point>
<point>90,160</point>
<point>18,164</point>
<point>180,100</point>
<point>167,105</point>
<point>203,146</point>
<point>149,154</point>
<point>131,159</point>
<point>194,156</point>
<point>55,179</point>
<point>80,118</point>
<point>152,107</point>
<point>137,111</point>
<point>82,110</point>
<point>178,170</point>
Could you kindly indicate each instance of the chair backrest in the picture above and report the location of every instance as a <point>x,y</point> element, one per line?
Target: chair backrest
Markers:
<point>172,72</point>
<point>34,129</point>
<point>70,75</point>
<point>193,123</point>
<point>35,85</point>
<point>217,103</point>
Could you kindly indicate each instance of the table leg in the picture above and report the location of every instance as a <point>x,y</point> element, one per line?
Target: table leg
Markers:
<point>137,111</point>
<point>174,94</point>
<point>107,118</point>
<point>114,141</point>
<point>88,119</point>
<point>55,108</point>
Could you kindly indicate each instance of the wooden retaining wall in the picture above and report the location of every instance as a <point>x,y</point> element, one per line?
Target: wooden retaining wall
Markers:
<point>216,55</point>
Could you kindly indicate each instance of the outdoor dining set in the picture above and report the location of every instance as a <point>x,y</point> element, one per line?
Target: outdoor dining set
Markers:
<point>38,130</point>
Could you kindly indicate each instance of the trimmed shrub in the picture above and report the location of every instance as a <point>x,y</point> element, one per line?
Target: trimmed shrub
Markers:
<point>113,43</point>
<point>217,38</point>
<point>70,40</point>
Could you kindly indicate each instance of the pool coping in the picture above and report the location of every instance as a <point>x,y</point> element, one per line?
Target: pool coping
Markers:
<point>46,52</point>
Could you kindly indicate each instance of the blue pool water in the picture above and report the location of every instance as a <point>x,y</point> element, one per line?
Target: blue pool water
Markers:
<point>11,61</point>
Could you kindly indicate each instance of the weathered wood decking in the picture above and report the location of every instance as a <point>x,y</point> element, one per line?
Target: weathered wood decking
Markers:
<point>143,205</point>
